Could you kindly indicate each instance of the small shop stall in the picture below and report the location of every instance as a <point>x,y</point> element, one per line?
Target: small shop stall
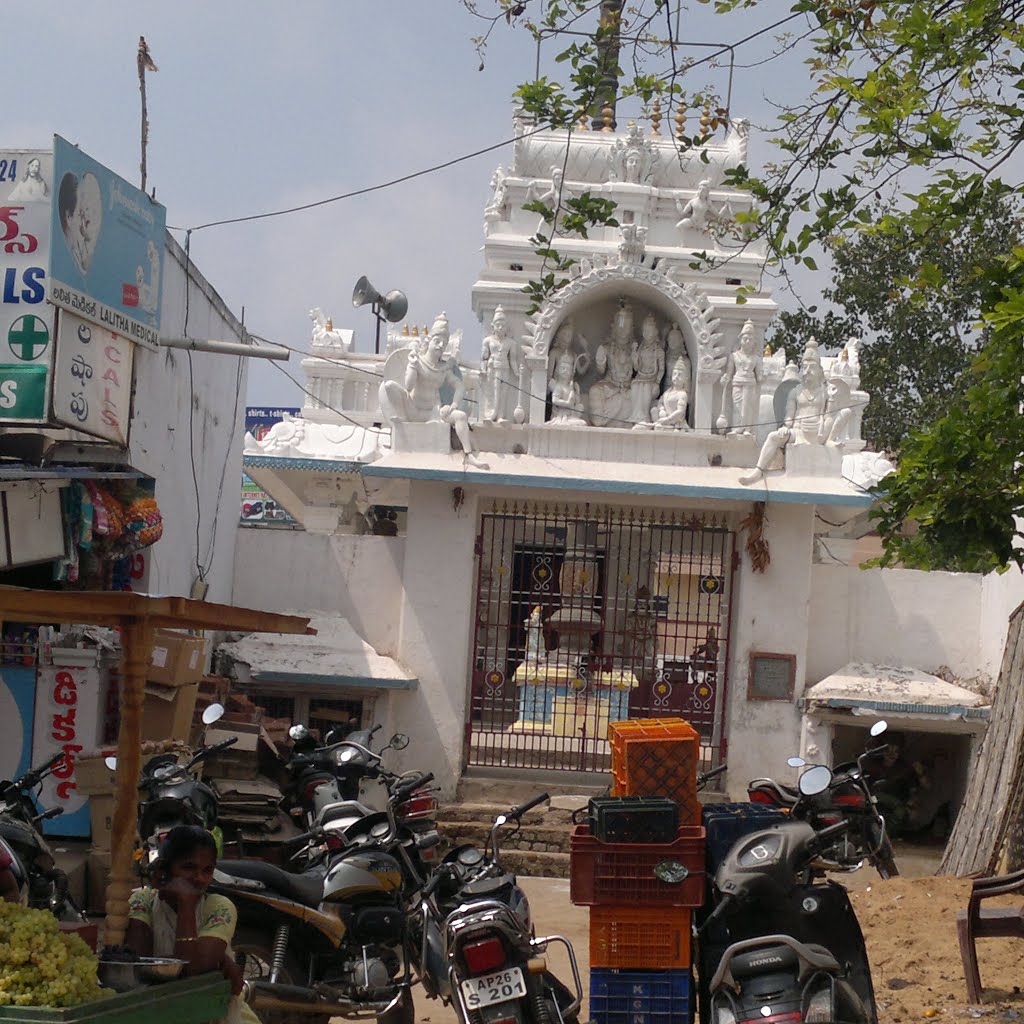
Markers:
<point>136,616</point>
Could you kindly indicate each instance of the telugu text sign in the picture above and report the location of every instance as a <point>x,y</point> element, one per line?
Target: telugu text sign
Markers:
<point>92,379</point>
<point>106,247</point>
<point>26,319</point>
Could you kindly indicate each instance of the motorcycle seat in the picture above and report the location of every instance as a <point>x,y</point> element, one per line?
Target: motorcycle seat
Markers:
<point>307,888</point>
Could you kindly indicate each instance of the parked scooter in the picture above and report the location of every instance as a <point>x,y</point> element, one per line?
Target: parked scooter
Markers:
<point>331,940</point>
<point>777,946</point>
<point>477,949</point>
<point>173,794</point>
<point>43,884</point>
<point>848,797</point>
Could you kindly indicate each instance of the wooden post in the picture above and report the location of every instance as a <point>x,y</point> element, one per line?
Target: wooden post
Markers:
<point>136,641</point>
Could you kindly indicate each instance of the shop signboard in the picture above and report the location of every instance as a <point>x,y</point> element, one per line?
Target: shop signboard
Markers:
<point>26,319</point>
<point>106,247</point>
<point>92,379</point>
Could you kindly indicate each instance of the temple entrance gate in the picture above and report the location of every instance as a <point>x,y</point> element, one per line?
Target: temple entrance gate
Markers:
<point>587,614</point>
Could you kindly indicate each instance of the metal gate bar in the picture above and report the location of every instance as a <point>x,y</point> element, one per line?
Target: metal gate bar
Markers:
<point>588,614</point>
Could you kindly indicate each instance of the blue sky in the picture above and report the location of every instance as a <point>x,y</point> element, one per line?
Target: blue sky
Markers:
<point>260,106</point>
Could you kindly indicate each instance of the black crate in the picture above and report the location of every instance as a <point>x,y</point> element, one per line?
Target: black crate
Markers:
<point>725,823</point>
<point>634,819</point>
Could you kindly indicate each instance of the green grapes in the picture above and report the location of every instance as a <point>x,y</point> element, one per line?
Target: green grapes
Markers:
<point>40,965</point>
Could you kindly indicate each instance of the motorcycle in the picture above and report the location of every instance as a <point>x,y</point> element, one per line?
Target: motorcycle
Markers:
<point>330,940</point>
<point>778,945</point>
<point>848,797</point>
<point>44,886</point>
<point>477,950</point>
<point>173,794</point>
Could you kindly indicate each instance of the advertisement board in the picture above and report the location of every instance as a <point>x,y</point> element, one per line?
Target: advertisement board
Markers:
<point>257,505</point>
<point>106,247</point>
<point>26,319</point>
<point>92,379</point>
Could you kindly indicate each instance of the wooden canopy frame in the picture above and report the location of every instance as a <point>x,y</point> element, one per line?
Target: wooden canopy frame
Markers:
<point>137,615</point>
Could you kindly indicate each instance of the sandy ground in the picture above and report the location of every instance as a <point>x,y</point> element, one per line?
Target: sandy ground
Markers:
<point>909,924</point>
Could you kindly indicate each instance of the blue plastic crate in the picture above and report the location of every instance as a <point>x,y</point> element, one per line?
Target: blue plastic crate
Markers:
<point>640,997</point>
<point>725,823</point>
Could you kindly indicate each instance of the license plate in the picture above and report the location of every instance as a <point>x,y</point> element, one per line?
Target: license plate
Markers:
<point>494,988</point>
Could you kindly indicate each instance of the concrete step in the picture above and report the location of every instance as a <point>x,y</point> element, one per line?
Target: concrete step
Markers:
<point>537,838</point>
<point>536,863</point>
<point>487,812</point>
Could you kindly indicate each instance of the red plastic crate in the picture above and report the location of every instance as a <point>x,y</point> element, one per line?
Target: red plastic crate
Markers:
<point>657,757</point>
<point>645,938</point>
<point>623,873</point>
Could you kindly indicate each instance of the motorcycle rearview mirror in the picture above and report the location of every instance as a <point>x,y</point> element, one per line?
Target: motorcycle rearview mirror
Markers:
<point>214,713</point>
<point>111,763</point>
<point>879,727</point>
<point>796,762</point>
<point>399,741</point>
<point>298,732</point>
<point>815,780</point>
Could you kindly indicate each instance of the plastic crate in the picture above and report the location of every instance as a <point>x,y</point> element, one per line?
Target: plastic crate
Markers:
<point>647,938</point>
<point>609,874</point>
<point>634,819</point>
<point>725,823</point>
<point>640,997</point>
<point>657,757</point>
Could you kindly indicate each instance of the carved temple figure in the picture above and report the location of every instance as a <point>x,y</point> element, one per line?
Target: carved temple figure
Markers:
<point>568,339</point>
<point>850,356</point>
<point>631,158</point>
<point>611,400</point>
<point>496,210</point>
<point>500,365</point>
<point>556,197</point>
<point>804,421</point>
<point>649,364</point>
<point>418,398</point>
<point>535,652</point>
<point>670,412</point>
<point>566,403</point>
<point>324,333</point>
<point>741,380</point>
<point>675,349</point>
<point>695,215</point>
<point>634,241</point>
<point>283,438</point>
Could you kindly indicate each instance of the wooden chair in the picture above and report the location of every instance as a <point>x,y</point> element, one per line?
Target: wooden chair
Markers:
<point>977,922</point>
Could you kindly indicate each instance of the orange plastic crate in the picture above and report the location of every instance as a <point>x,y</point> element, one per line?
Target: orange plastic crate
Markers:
<point>657,757</point>
<point>645,938</point>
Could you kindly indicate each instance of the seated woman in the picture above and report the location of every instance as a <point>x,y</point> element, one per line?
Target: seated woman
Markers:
<point>175,916</point>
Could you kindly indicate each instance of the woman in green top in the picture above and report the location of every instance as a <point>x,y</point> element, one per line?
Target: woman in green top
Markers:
<point>176,917</point>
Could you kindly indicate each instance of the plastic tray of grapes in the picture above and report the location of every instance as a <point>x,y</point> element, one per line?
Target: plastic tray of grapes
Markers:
<point>123,972</point>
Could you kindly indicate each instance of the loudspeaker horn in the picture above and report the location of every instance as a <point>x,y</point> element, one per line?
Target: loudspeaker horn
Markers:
<point>364,292</point>
<point>394,306</point>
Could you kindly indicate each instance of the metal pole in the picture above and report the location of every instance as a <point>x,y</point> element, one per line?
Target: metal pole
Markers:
<point>228,348</point>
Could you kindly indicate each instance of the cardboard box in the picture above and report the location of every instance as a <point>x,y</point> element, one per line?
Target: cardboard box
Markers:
<point>92,776</point>
<point>101,817</point>
<point>167,711</point>
<point>98,871</point>
<point>176,659</point>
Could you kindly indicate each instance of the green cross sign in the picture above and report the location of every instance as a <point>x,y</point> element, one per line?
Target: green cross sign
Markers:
<point>28,337</point>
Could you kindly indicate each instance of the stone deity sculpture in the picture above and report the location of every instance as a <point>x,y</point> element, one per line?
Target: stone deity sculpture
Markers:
<point>418,398</point>
<point>805,417</point>
<point>610,398</point>
<point>500,364</point>
<point>568,339</point>
<point>535,652</point>
<point>556,197</point>
<point>324,334</point>
<point>670,412</point>
<point>675,349</point>
<point>697,216</point>
<point>649,364</point>
<point>566,403</point>
<point>495,210</point>
<point>741,380</point>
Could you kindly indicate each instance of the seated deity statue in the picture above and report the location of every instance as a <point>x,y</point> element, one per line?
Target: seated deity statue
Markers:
<point>611,400</point>
<point>418,398</point>
<point>670,412</point>
<point>649,364</point>
<point>566,403</point>
<point>568,339</point>
<point>805,416</point>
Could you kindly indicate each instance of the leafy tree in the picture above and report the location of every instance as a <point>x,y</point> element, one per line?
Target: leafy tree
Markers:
<point>926,96</point>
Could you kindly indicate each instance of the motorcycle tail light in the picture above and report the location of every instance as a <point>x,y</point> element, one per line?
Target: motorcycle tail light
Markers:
<point>334,842</point>
<point>420,804</point>
<point>310,788</point>
<point>485,955</point>
<point>792,1017</point>
<point>853,800</point>
<point>757,796</point>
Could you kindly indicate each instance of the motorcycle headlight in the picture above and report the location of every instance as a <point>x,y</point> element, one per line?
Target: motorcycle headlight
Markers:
<point>344,755</point>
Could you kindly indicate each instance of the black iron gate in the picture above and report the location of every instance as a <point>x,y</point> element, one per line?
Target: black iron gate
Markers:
<point>588,614</point>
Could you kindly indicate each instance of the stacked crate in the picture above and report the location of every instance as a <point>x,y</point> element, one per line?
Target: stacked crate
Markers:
<point>640,924</point>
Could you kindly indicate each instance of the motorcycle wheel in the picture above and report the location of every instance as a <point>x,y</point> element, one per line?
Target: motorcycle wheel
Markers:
<point>885,863</point>
<point>403,1013</point>
<point>252,949</point>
